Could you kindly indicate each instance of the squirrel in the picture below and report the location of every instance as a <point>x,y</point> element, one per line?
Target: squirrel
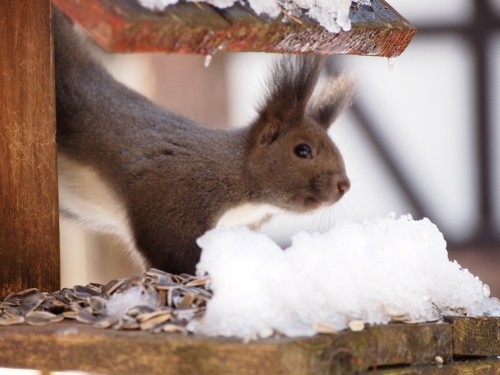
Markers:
<point>160,180</point>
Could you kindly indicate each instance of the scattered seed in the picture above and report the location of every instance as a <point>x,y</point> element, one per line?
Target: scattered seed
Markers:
<point>70,314</point>
<point>8,320</point>
<point>84,316</point>
<point>106,321</point>
<point>321,327</point>
<point>97,304</point>
<point>39,318</point>
<point>173,328</point>
<point>439,361</point>
<point>155,321</point>
<point>182,298</point>
<point>198,282</point>
<point>356,325</point>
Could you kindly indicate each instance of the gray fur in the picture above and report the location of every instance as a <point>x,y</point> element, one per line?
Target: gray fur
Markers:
<point>177,178</point>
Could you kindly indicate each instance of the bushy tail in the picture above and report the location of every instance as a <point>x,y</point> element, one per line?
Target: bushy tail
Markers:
<point>73,62</point>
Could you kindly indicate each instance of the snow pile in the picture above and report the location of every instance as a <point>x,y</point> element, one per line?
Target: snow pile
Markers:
<point>333,15</point>
<point>376,271</point>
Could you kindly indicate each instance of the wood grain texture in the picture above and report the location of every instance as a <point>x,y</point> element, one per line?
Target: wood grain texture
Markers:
<point>390,345</point>
<point>473,367</point>
<point>394,349</point>
<point>29,237</point>
<point>475,336</point>
<point>73,346</point>
<point>377,30</point>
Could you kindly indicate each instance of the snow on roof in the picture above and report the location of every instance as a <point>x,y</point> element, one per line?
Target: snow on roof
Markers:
<point>333,15</point>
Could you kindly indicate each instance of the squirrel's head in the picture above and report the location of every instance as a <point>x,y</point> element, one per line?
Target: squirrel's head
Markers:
<point>293,160</point>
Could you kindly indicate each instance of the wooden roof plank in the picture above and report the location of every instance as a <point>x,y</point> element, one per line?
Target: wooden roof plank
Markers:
<point>125,26</point>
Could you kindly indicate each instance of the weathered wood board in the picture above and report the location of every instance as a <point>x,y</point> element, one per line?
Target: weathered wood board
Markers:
<point>472,367</point>
<point>390,345</point>
<point>394,349</point>
<point>29,217</point>
<point>74,346</point>
<point>122,26</point>
<point>476,337</point>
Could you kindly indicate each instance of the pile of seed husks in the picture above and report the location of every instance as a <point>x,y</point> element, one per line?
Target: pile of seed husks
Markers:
<point>155,301</point>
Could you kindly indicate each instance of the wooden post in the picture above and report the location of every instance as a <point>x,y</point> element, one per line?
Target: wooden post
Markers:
<point>29,232</point>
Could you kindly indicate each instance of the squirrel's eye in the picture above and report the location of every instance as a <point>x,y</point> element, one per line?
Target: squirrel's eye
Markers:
<point>303,151</point>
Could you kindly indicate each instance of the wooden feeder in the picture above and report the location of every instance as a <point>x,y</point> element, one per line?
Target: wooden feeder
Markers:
<point>29,251</point>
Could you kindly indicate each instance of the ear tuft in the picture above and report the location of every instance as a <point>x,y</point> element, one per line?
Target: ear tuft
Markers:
<point>289,89</point>
<point>291,85</point>
<point>331,99</point>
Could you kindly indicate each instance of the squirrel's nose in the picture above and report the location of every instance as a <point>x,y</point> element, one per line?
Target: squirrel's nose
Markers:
<point>344,185</point>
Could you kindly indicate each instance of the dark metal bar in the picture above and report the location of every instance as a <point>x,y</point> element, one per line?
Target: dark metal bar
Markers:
<point>479,43</point>
<point>484,23</point>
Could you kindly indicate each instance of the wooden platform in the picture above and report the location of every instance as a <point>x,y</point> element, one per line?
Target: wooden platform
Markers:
<point>460,346</point>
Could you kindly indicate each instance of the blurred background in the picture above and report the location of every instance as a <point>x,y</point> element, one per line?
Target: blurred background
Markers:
<point>422,137</point>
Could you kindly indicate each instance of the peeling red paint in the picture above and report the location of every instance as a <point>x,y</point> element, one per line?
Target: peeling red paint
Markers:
<point>202,29</point>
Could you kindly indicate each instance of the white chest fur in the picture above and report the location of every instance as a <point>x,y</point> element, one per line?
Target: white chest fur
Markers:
<point>249,214</point>
<point>88,199</point>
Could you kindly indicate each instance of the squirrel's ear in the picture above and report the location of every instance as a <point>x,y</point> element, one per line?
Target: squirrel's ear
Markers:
<point>289,89</point>
<point>265,130</point>
<point>331,99</point>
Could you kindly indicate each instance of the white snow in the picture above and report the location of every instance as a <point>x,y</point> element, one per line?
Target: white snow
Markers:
<point>333,15</point>
<point>372,271</point>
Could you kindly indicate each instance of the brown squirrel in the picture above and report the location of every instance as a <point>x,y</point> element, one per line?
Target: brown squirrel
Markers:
<point>160,180</point>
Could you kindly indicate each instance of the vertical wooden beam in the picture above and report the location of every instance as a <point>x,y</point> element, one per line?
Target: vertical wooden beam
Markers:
<point>29,232</point>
